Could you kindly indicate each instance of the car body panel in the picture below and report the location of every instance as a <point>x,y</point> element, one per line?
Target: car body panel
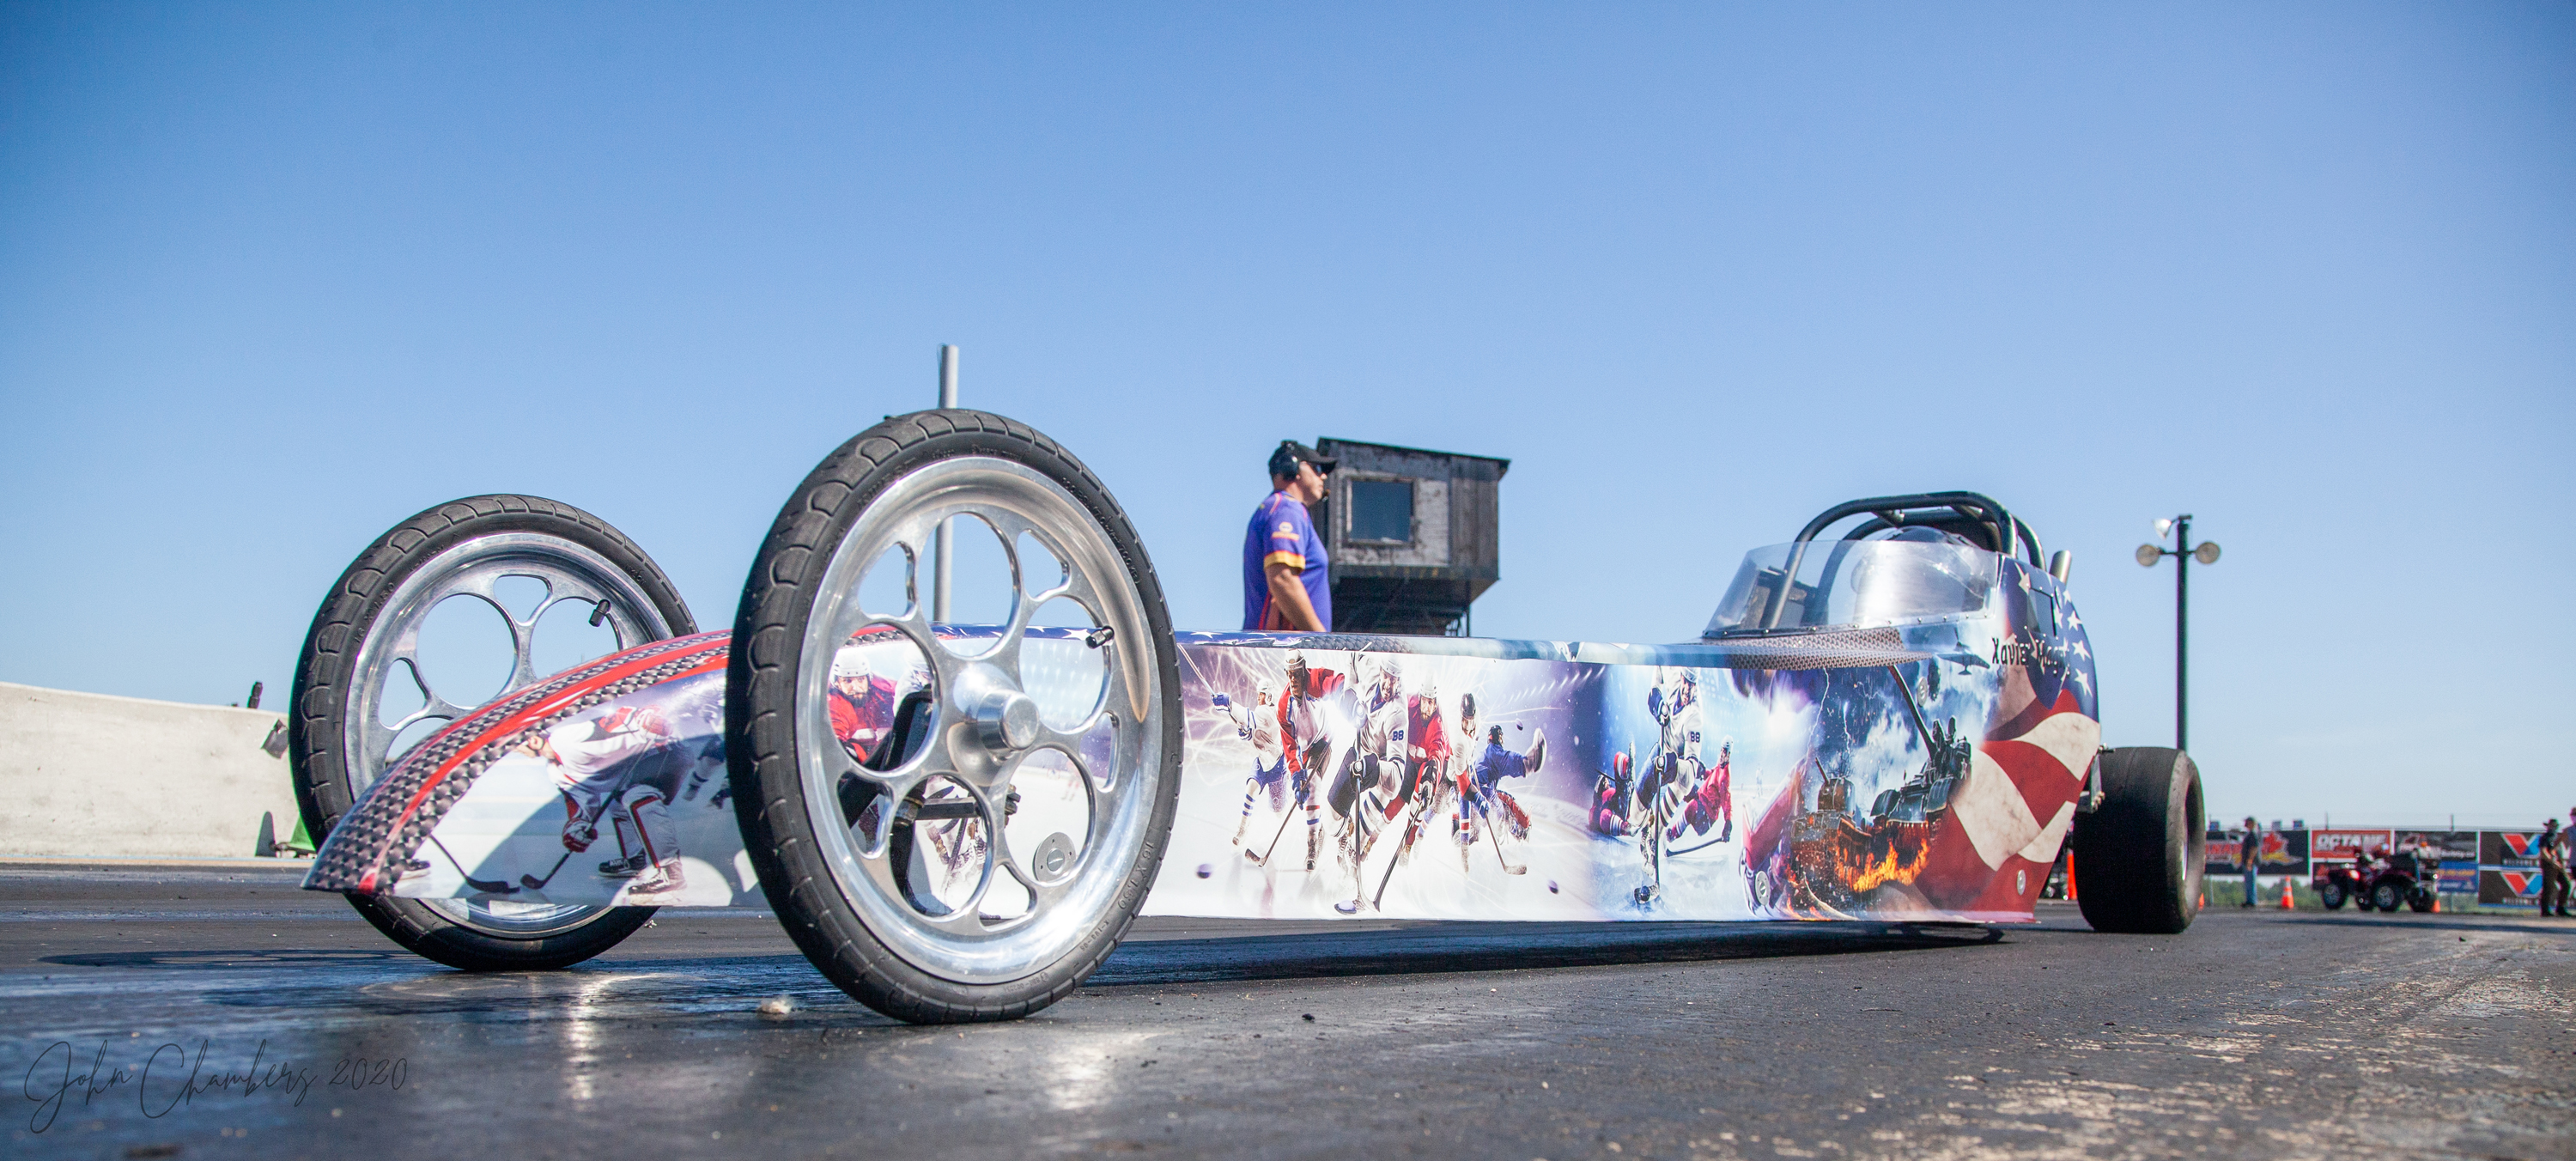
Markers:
<point>1919,771</point>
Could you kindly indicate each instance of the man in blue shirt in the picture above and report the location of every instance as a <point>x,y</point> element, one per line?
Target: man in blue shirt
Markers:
<point>1286,585</point>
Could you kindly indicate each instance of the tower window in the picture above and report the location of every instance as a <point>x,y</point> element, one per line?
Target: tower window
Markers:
<point>1382,510</point>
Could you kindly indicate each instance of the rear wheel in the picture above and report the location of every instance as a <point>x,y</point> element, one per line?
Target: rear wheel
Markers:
<point>982,865</point>
<point>2139,853</point>
<point>363,694</point>
<point>2332,894</point>
<point>2388,896</point>
<point>2419,901</point>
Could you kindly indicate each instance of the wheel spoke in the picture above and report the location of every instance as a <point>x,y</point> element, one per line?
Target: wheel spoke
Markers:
<point>1043,893</point>
<point>523,650</point>
<point>1082,745</point>
<point>1126,652</point>
<point>991,813</point>
<point>893,789</point>
<point>911,880</point>
<point>1005,654</point>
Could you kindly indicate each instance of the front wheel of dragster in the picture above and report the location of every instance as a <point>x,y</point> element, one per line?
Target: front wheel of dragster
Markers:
<point>2332,894</point>
<point>2139,852</point>
<point>361,687</point>
<point>907,878</point>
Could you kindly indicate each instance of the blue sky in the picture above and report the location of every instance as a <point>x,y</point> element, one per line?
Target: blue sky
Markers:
<point>274,276</point>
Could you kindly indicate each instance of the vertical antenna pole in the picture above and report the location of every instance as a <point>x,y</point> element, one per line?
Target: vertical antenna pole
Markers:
<point>940,539</point>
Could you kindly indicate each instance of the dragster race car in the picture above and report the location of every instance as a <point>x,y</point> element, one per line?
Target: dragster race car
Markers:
<point>957,822</point>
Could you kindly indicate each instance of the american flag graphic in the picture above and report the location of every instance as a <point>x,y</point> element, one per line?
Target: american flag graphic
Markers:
<point>2012,810</point>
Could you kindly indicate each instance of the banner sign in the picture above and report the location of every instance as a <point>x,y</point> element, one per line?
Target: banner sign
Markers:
<point>2439,846</point>
<point>2509,848</point>
<point>2509,868</point>
<point>2341,845</point>
<point>2284,852</point>
<point>2509,888</point>
<point>2501,867</point>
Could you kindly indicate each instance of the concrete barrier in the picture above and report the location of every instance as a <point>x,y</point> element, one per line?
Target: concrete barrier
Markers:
<point>87,774</point>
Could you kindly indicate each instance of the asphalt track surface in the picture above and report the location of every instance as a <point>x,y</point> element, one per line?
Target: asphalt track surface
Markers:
<point>2256,1034</point>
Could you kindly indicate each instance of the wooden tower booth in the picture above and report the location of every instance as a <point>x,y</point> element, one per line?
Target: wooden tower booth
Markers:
<point>1414,535</point>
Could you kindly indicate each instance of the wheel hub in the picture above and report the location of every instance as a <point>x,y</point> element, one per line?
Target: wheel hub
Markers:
<point>1005,718</point>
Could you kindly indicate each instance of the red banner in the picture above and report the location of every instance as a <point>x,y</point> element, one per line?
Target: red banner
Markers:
<point>2341,845</point>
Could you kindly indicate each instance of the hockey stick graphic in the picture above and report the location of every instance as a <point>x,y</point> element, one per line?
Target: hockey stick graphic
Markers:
<point>534,883</point>
<point>1509,867</point>
<point>1411,830</point>
<point>1315,755</point>
<point>1378,901</point>
<point>1359,872</point>
<point>1676,852</point>
<point>1263,858</point>
<point>487,886</point>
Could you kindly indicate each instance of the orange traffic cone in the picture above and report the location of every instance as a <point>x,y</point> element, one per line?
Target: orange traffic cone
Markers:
<point>2286,904</point>
<point>2437,904</point>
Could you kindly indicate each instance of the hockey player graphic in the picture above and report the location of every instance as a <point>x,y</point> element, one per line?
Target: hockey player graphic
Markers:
<point>862,704</point>
<point>1258,724</point>
<point>1426,762</point>
<point>1425,783</point>
<point>1672,774</point>
<point>1481,799</point>
<point>1614,794</point>
<point>1710,801</point>
<point>1366,790</point>
<point>710,767</point>
<point>1305,740</point>
<point>624,765</point>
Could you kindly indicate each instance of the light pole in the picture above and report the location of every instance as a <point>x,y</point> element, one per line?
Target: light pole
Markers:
<point>2184,552</point>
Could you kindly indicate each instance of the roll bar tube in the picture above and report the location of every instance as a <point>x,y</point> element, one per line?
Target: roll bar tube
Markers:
<point>1916,509</point>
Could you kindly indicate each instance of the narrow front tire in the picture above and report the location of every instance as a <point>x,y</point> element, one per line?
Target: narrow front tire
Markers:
<point>361,660</point>
<point>912,874</point>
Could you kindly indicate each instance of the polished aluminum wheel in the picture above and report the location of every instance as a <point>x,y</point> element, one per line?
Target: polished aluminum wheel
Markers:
<point>388,671</point>
<point>1028,893</point>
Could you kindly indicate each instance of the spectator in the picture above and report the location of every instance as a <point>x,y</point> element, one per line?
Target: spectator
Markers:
<point>2249,857</point>
<point>2553,869</point>
<point>1286,587</point>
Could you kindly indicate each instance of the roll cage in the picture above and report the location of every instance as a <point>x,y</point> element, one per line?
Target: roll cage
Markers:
<point>1975,519</point>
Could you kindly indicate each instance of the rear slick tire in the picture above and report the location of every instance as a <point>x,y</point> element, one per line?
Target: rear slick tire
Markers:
<point>360,640</point>
<point>2140,852</point>
<point>843,873</point>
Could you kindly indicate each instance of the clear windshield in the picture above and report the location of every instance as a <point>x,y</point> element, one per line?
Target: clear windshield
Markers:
<point>1854,583</point>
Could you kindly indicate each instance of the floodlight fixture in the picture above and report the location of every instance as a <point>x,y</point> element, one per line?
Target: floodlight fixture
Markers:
<point>2184,553</point>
